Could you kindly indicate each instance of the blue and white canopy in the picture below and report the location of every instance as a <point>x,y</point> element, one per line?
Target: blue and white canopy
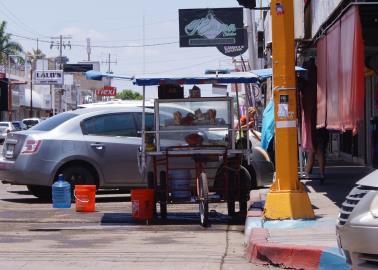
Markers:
<point>268,72</point>
<point>234,77</point>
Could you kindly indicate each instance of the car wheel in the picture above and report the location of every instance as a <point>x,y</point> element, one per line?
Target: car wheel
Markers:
<point>78,175</point>
<point>41,192</point>
<point>245,187</point>
<point>252,173</point>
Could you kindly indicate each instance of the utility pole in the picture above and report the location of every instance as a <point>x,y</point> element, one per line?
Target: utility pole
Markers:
<point>89,50</point>
<point>109,62</point>
<point>61,44</point>
<point>287,197</point>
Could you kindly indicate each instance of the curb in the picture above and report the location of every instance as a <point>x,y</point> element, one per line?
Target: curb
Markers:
<point>260,251</point>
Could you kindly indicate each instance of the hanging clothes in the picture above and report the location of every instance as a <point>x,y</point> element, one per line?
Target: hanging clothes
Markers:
<point>308,96</point>
<point>267,132</point>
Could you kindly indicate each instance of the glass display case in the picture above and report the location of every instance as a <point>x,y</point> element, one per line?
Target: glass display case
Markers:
<point>193,121</point>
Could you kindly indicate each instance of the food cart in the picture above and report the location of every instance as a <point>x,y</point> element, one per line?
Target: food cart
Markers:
<point>190,156</point>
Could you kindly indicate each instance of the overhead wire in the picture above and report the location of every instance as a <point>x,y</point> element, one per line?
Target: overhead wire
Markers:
<point>18,21</point>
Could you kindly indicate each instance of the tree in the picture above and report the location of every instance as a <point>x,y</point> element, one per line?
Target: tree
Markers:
<point>7,46</point>
<point>129,95</point>
<point>34,55</point>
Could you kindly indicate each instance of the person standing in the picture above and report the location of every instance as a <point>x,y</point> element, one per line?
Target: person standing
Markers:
<point>320,148</point>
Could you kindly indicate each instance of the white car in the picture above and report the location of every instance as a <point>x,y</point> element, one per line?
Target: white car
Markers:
<point>30,122</point>
<point>5,128</point>
<point>357,229</point>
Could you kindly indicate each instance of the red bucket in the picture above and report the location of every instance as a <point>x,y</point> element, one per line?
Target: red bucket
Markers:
<point>142,202</point>
<point>85,196</point>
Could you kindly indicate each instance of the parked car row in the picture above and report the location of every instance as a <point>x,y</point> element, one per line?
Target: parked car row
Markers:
<point>96,145</point>
<point>7,126</point>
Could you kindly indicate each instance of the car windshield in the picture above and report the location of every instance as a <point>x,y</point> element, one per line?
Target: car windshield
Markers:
<point>4,125</point>
<point>54,121</point>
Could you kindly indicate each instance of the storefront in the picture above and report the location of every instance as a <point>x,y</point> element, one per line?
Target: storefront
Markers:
<point>347,82</point>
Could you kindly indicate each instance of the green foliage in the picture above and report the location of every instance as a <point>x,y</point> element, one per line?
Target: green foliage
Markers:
<point>129,95</point>
<point>7,46</point>
<point>34,55</point>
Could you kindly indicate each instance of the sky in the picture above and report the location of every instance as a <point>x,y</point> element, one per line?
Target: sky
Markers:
<point>115,23</point>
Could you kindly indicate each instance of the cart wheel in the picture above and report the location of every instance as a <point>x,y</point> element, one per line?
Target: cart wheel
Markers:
<point>203,200</point>
<point>231,207</point>
<point>162,195</point>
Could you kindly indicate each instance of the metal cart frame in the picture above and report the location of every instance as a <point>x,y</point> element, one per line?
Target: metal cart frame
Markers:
<point>199,154</point>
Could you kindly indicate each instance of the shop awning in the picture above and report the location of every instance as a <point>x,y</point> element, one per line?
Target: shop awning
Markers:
<point>234,77</point>
<point>98,76</point>
<point>268,72</point>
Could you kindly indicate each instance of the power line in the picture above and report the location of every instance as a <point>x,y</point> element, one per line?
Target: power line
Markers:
<point>100,46</point>
<point>18,20</point>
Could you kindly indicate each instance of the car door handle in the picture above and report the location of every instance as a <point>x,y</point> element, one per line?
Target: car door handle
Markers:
<point>98,146</point>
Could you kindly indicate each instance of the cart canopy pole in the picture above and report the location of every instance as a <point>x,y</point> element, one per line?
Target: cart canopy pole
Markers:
<point>143,163</point>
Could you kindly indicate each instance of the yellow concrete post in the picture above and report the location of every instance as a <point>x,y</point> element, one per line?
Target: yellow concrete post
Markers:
<point>287,198</point>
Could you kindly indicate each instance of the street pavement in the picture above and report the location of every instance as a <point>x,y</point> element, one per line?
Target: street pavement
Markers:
<point>33,236</point>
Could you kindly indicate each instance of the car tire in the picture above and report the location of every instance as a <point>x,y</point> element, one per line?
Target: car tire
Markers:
<point>41,192</point>
<point>78,175</point>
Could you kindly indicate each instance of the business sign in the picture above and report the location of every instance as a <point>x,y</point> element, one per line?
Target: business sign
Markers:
<point>211,27</point>
<point>48,77</point>
<point>77,67</point>
<point>235,50</point>
<point>107,91</point>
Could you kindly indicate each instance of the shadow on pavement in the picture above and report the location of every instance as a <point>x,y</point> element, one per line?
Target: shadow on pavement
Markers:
<point>172,219</point>
<point>340,178</point>
<point>28,201</point>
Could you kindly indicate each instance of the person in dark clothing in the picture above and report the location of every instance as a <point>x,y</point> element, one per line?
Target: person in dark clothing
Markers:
<point>320,143</point>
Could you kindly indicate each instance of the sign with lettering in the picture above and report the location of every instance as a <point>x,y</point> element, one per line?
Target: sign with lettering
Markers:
<point>107,91</point>
<point>211,27</point>
<point>235,50</point>
<point>47,77</point>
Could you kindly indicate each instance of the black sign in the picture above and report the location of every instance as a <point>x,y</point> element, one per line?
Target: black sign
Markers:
<point>77,67</point>
<point>211,27</point>
<point>234,51</point>
<point>168,91</point>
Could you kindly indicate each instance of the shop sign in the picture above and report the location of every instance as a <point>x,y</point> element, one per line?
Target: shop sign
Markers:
<point>211,27</point>
<point>235,50</point>
<point>107,91</point>
<point>48,77</point>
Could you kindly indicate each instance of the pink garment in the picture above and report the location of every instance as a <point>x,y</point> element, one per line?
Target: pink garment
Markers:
<point>308,107</point>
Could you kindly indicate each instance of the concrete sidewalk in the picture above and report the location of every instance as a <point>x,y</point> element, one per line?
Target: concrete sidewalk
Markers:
<point>303,244</point>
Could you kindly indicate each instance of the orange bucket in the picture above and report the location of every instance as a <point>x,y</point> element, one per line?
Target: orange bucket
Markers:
<point>85,196</point>
<point>142,203</point>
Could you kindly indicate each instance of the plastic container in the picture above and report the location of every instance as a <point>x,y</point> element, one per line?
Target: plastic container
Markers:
<point>180,184</point>
<point>85,196</point>
<point>142,202</point>
<point>61,193</point>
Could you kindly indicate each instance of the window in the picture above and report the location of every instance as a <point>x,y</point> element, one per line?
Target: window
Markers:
<point>54,121</point>
<point>117,124</point>
<point>149,121</point>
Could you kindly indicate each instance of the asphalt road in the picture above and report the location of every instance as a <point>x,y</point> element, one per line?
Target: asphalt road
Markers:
<point>33,235</point>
